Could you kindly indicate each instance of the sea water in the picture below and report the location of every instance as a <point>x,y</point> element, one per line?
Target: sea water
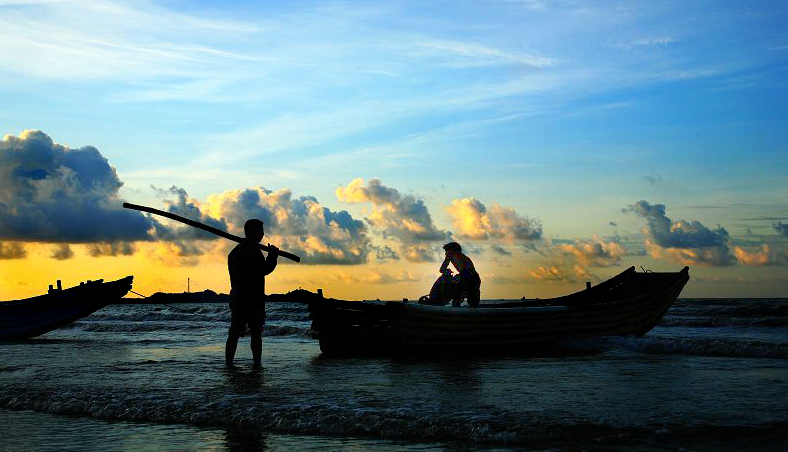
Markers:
<point>713,375</point>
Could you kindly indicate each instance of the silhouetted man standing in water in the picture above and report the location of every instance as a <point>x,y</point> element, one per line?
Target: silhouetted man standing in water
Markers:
<point>248,268</point>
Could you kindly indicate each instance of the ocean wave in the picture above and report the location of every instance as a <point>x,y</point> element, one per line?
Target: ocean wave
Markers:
<point>159,317</point>
<point>271,329</point>
<point>408,422</point>
<point>694,346</point>
<point>705,312</point>
<point>192,312</point>
<point>743,308</point>
<point>131,327</point>
<point>711,321</point>
<point>287,330</point>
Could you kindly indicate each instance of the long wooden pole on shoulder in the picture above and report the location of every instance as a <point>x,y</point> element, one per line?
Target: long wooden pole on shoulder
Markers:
<point>204,227</point>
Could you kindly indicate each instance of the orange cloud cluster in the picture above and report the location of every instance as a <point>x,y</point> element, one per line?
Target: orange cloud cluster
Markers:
<point>400,217</point>
<point>760,257</point>
<point>595,252</point>
<point>474,220</point>
<point>376,277</point>
<point>557,273</point>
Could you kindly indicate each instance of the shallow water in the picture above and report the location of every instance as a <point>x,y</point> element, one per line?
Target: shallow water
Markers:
<point>712,376</point>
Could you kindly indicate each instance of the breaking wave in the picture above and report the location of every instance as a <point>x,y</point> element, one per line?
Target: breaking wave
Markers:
<point>271,329</point>
<point>697,346</point>
<point>408,422</point>
<point>724,308</point>
<point>192,312</point>
<point>713,322</point>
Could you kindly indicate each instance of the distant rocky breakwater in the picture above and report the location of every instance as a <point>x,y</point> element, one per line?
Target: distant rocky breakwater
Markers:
<point>209,296</point>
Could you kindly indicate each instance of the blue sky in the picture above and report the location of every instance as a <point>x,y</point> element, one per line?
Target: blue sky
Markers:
<point>565,112</point>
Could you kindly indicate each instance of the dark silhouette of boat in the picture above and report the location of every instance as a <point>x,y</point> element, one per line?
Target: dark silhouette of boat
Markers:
<point>631,303</point>
<point>31,317</point>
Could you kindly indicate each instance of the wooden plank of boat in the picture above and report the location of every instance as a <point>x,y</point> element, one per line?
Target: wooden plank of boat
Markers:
<point>578,325</point>
<point>31,317</point>
<point>497,318</point>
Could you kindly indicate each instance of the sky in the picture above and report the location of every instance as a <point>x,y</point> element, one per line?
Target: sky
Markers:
<point>558,142</point>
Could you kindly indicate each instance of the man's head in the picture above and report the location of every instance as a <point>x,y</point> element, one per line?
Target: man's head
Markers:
<point>452,247</point>
<point>254,229</point>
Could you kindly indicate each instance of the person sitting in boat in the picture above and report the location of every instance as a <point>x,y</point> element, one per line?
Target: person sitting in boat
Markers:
<point>470,282</point>
<point>248,269</point>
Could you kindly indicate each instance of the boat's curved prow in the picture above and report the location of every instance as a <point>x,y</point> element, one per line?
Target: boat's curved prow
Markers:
<point>31,317</point>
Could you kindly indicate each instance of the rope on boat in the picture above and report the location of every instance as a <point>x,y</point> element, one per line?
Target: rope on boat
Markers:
<point>135,293</point>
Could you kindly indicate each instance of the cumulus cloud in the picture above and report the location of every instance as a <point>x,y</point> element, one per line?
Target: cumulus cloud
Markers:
<point>781,228</point>
<point>299,225</point>
<point>189,208</point>
<point>475,221</point>
<point>384,252</point>
<point>686,242</point>
<point>501,279</point>
<point>759,257</point>
<point>111,249</point>
<point>501,251</point>
<point>61,252</point>
<point>51,193</point>
<point>176,253</point>
<point>178,244</point>
<point>12,250</point>
<point>420,253</point>
<point>594,252</point>
<point>551,273</point>
<point>377,277</point>
<point>399,216</point>
<point>740,279</point>
<point>563,273</point>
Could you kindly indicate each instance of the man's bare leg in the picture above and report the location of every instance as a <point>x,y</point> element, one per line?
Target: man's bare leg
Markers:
<point>229,350</point>
<point>257,348</point>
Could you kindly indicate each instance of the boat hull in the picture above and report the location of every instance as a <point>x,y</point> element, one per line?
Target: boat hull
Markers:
<point>628,304</point>
<point>31,317</point>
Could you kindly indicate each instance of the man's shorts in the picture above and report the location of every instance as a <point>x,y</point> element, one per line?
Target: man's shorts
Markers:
<point>247,314</point>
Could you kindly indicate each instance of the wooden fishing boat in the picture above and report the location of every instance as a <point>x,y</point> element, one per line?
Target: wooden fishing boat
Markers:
<point>23,319</point>
<point>631,303</point>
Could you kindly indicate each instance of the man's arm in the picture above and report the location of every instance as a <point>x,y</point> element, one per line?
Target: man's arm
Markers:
<point>445,265</point>
<point>270,262</point>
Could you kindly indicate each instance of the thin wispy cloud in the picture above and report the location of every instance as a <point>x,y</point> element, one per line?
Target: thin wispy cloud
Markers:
<point>460,54</point>
<point>75,40</point>
<point>355,85</point>
<point>560,110</point>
